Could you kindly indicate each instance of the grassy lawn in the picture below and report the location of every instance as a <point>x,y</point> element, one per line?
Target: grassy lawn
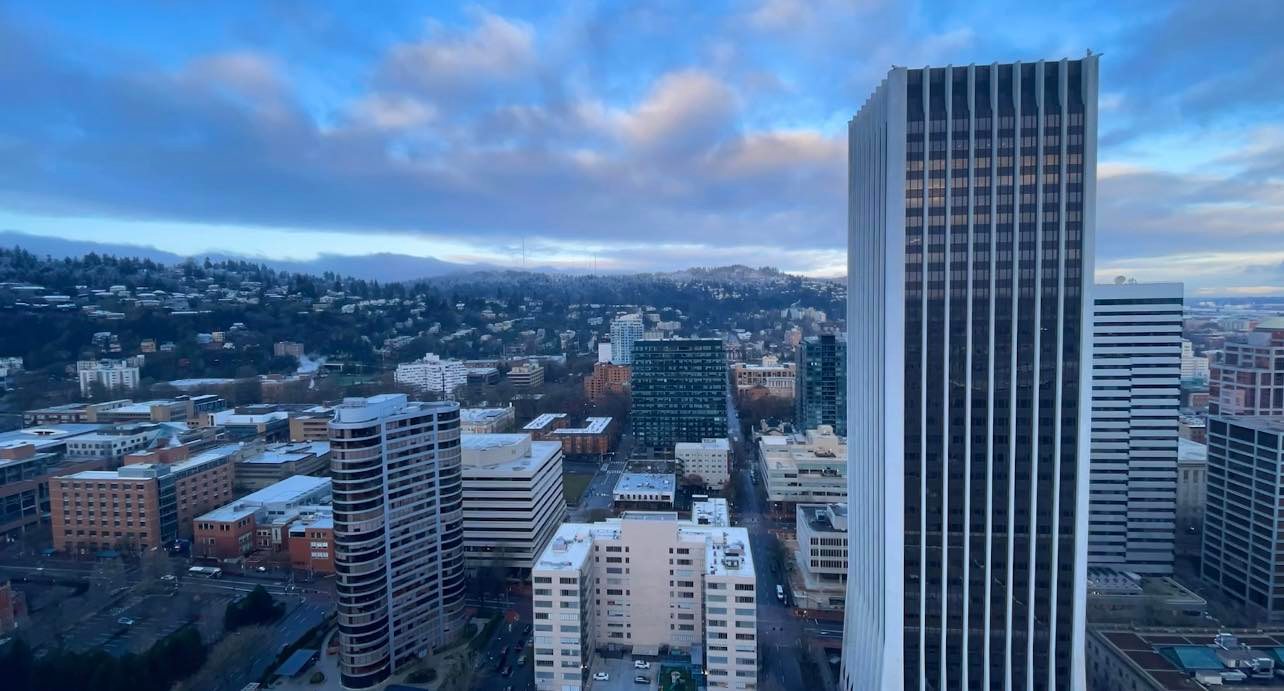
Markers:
<point>573,486</point>
<point>675,679</point>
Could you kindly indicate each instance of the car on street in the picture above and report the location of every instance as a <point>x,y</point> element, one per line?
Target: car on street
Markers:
<point>125,621</point>
<point>521,659</point>
<point>169,577</point>
<point>601,676</point>
<point>641,664</point>
<point>641,679</point>
<point>507,670</point>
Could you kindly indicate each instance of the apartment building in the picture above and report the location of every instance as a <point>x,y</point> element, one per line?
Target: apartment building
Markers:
<point>625,330</point>
<point>822,555</point>
<point>487,420</point>
<point>594,438</point>
<point>290,348</point>
<point>398,530</point>
<point>679,392</point>
<point>513,498</point>
<point>821,383</point>
<point>769,375</point>
<point>606,379</point>
<point>431,373</point>
<point>708,459</point>
<point>809,468</point>
<point>276,462</point>
<point>112,375</point>
<point>644,581</point>
<point>542,427</point>
<point>526,376</point>
<point>1248,377</point>
<point>234,529</point>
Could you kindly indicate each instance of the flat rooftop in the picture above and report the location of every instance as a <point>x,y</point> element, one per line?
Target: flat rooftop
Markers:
<point>288,453</point>
<point>712,444</point>
<point>482,414</point>
<point>592,425</point>
<point>514,453</point>
<point>543,421</point>
<point>638,482</point>
<point>1191,451</point>
<point>1170,657</point>
<point>288,490</point>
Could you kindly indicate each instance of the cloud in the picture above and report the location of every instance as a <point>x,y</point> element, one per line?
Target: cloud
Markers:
<point>495,50</point>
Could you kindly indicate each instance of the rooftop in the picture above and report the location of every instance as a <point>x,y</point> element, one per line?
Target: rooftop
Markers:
<point>1191,451</point>
<point>713,444</point>
<point>290,452</point>
<point>592,425</point>
<point>1171,658</point>
<point>636,482</point>
<point>483,414</point>
<point>508,452</point>
<point>291,489</point>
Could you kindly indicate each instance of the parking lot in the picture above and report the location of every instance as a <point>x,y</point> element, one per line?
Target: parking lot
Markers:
<point>138,622</point>
<point>622,673</point>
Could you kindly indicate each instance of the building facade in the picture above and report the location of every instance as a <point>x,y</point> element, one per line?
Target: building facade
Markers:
<point>606,379</point>
<point>709,459</point>
<point>641,582</point>
<point>970,244</point>
<point>625,329</point>
<point>486,420</point>
<point>513,499</point>
<point>526,377</point>
<point>431,373</point>
<point>595,437</point>
<point>230,530</point>
<point>778,380</point>
<point>809,468</point>
<point>679,392</point>
<point>113,375</point>
<point>1136,396</point>
<point>822,555</point>
<point>1244,560</point>
<point>1248,377</point>
<point>820,397</point>
<point>398,531</point>
<point>277,462</point>
<point>1192,484</point>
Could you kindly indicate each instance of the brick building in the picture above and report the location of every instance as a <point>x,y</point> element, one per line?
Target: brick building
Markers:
<point>607,378</point>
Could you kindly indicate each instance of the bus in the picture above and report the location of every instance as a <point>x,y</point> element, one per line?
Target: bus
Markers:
<point>206,571</point>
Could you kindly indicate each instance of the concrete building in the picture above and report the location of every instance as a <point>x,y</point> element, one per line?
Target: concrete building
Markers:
<point>1248,377</point>
<point>24,487</point>
<point>542,427</point>
<point>431,373</point>
<point>1136,396</point>
<point>971,226</point>
<point>231,530</point>
<point>486,420</point>
<point>513,498</point>
<point>679,392</point>
<point>113,375</point>
<point>526,376</point>
<point>625,330</point>
<point>311,424</point>
<point>1193,427</point>
<point>607,379</point>
<point>821,383</point>
<point>70,413</point>
<point>596,437</point>
<point>1192,484</point>
<point>1193,367</point>
<point>644,492</point>
<point>1180,659</point>
<point>277,462</point>
<point>644,581</point>
<point>1245,478</point>
<point>1116,596</point>
<point>710,459</point>
<point>290,348</point>
<point>808,468</point>
<point>777,379</point>
<point>261,423</point>
<point>821,556</point>
<point>398,530</point>
<point>139,506</point>
<point>114,443</point>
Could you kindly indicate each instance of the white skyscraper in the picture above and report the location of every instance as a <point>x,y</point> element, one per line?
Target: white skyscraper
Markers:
<point>625,329</point>
<point>398,533</point>
<point>970,241</point>
<point>1136,393</point>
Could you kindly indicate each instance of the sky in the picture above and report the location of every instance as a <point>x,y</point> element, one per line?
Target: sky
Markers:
<point>625,136</point>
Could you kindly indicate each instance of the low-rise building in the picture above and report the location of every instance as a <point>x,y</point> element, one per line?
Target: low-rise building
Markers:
<point>513,498</point>
<point>116,442</point>
<point>808,468</point>
<point>821,556</point>
<point>644,582</point>
<point>543,426</point>
<point>251,422</point>
<point>13,608</point>
<point>708,459</point>
<point>70,413</point>
<point>1118,596</point>
<point>290,348</point>
<point>261,520</point>
<point>486,420</point>
<point>312,543</point>
<point>311,424</point>
<point>776,378</point>
<point>596,437</point>
<point>277,462</point>
<point>644,492</point>
<point>1180,659</point>
<point>527,376</point>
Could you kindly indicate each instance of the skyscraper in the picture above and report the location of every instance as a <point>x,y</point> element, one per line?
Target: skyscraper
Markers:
<point>1136,393</point>
<point>820,396</point>
<point>971,217</point>
<point>398,532</point>
<point>679,392</point>
<point>625,330</point>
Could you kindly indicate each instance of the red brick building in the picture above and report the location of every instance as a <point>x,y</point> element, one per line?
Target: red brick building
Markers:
<point>312,545</point>
<point>607,378</point>
<point>598,436</point>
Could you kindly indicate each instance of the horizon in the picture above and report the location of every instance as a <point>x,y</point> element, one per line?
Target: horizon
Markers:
<point>494,134</point>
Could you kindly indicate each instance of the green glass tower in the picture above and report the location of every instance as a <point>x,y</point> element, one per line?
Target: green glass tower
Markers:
<point>821,385</point>
<point>679,393</point>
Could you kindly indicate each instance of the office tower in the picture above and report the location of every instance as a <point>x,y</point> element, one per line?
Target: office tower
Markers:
<point>1193,367</point>
<point>821,397</point>
<point>1136,394</point>
<point>398,532</point>
<point>1248,378</point>
<point>1243,550</point>
<point>513,498</point>
<point>971,215</point>
<point>647,580</point>
<point>625,329</point>
<point>679,392</point>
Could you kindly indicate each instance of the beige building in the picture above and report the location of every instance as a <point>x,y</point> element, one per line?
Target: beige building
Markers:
<point>806,468</point>
<point>527,376</point>
<point>312,424</point>
<point>1192,485</point>
<point>821,556</point>
<point>644,581</point>
<point>486,420</point>
<point>710,459</point>
<point>776,378</point>
<point>513,498</point>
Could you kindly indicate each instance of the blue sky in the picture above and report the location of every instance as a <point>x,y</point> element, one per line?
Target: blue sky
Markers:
<point>642,135</point>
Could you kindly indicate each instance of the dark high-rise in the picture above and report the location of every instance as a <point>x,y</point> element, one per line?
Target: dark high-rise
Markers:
<point>971,219</point>
<point>820,384</point>
<point>679,392</point>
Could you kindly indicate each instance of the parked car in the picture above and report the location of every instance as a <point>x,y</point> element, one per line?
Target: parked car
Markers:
<point>641,679</point>
<point>641,664</point>
<point>169,577</point>
<point>601,676</point>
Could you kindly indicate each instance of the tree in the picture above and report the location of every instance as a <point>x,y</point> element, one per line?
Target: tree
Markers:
<point>257,607</point>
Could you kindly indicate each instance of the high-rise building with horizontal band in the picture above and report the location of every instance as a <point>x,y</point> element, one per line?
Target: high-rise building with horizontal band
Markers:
<point>679,392</point>
<point>821,383</point>
<point>398,533</point>
<point>971,202</point>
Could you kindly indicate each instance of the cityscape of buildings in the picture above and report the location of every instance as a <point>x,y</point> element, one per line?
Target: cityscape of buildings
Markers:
<point>973,466</point>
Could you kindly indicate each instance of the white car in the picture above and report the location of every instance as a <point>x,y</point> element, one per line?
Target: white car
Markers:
<point>641,664</point>
<point>126,621</point>
<point>601,676</point>
<point>169,577</point>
